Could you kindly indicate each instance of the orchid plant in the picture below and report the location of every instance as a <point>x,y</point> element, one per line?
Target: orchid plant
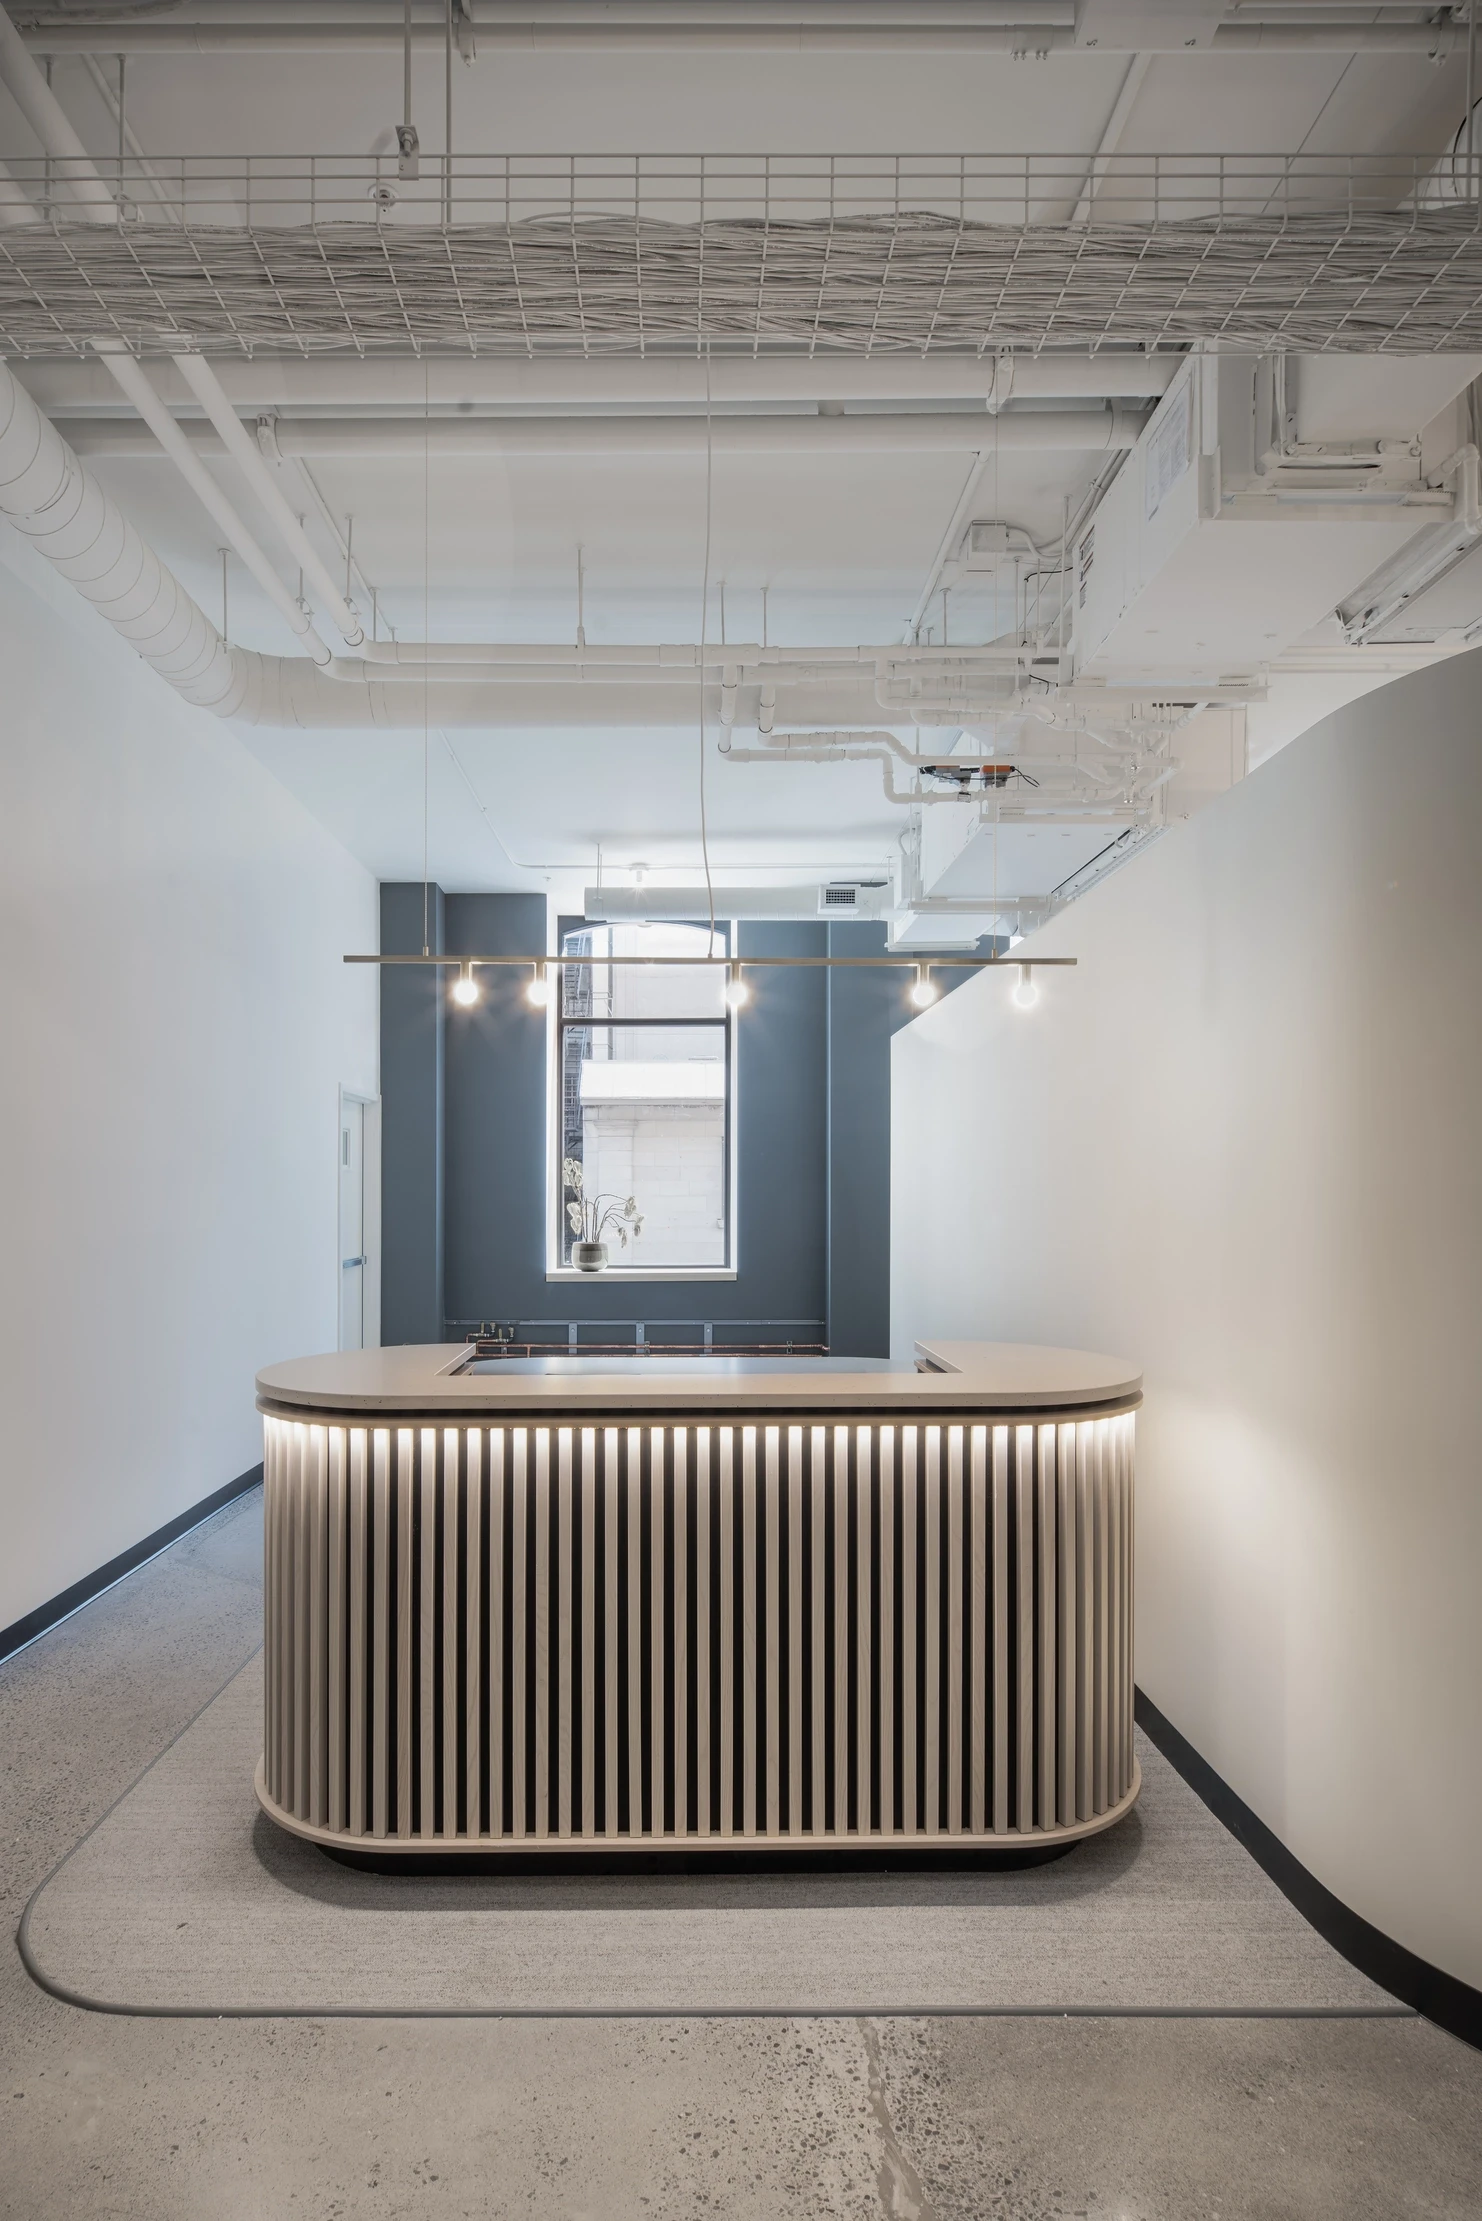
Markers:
<point>590,1216</point>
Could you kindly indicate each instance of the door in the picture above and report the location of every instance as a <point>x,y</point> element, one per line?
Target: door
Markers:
<point>352,1224</point>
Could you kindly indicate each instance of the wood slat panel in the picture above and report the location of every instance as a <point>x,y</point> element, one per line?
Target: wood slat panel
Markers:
<point>474,1609</point>
<point>771,1650</point>
<point>794,1629</point>
<point>932,1816</point>
<point>954,1630</point>
<point>1000,1626</point>
<point>890,1629</point>
<point>977,1818</point>
<point>840,1684</point>
<point>704,1483</point>
<point>336,1569</point>
<point>864,1612</point>
<point>885,1467</point>
<point>818,1587</point>
<point>910,1694</point>
<point>563,1646</point>
<point>588,1631</point>
<point>1023,1801</point>
<point>680,1522</point>
<point>358,1673</point>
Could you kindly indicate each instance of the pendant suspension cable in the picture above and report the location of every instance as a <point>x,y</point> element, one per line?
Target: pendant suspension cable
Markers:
<point>448,116</point>
<point>426,602</point>
<point>704,621</point>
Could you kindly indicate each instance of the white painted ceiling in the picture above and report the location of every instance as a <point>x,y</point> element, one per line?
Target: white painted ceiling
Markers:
<point>487,548</point>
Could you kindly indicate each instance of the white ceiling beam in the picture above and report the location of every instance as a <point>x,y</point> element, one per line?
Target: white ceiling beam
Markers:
<point>1148,26</point>
<point>383,439</point>
<point>912,32</point>
<point>1111,137</point>
<point>341,383</point>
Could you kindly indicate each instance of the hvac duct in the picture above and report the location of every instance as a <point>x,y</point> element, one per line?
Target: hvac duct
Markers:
<point>54,500</point>
<point>58,505</point>
<point>162,427</point>
<point>769,905</point>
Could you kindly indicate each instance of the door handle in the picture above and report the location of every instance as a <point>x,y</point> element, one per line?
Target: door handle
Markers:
<point>347,1262</point>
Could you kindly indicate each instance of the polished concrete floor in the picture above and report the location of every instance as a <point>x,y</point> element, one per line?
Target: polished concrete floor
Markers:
<point>923,2120</point>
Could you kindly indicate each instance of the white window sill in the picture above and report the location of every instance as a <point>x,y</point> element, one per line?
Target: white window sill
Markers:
<point>653,1274</point>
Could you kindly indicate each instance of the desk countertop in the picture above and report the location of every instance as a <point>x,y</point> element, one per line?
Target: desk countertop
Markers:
<point>446,1381</point>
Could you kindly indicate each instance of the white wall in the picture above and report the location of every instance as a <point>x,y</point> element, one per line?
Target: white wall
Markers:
<point>175,1024</point>
<point>1243,1144</point>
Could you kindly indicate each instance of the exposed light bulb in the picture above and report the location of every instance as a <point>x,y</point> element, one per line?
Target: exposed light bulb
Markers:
<point>737,991</point>
<point>1026,994</point>
<point>465,986</point>
<point>924,993</point>
<point>539,990</point>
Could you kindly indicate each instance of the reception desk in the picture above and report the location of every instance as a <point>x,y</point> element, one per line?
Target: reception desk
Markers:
<point>563,1604</point>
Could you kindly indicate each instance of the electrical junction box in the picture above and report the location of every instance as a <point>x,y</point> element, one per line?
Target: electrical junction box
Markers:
<point>1225,538</point>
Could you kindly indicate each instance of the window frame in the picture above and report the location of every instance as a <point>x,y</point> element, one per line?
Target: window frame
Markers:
<point>557,1025</point>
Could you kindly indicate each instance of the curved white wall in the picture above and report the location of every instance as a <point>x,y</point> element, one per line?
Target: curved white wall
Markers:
<point>1243,1143</point>
<point>175,1023</point>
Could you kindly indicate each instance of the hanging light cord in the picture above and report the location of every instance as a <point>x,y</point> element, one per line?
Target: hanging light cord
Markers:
<point>426,634</point>
<point>704,622</point>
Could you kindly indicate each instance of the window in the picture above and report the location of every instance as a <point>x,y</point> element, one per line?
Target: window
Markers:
<point>644,1065</point>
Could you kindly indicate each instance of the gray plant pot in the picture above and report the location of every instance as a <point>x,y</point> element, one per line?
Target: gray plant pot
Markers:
<point>589,1256</point>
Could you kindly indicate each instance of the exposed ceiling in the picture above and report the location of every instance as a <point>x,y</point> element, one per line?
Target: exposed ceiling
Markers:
<point>842,539</point>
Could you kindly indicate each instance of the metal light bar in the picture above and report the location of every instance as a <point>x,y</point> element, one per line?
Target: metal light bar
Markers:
<point>937,960</point>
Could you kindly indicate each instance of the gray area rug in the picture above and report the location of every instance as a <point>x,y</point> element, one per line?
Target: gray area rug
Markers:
<point>185,1899</point>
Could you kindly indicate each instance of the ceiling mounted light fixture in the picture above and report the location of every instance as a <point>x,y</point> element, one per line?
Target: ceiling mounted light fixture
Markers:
<point>539,990</point>
<point>924,993</point>
<point>465,986</point>
<point>736,990</point>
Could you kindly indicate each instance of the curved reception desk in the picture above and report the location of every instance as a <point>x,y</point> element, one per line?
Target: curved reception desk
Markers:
<point>565,1604</point>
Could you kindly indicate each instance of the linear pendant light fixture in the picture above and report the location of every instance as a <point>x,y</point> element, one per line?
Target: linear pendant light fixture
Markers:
<point>923,989</point>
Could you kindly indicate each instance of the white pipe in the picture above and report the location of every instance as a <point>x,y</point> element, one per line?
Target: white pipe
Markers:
<point>1422,561</point>
<point>393,438</point>
<point>113,104</point>
<point>957,524</point>
<point>1111,137</point>
<point>157,417</point>
<point>679,659</point>
<point>201,379</point>
<point>329,383</point>
<point>1434,40</point>
<point>844,755</point>
<point>54,500</point>
<point>43,112</point>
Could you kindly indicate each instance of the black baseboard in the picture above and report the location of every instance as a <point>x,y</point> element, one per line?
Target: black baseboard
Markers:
<point>23,1631</point>
<point>1452,2004</point>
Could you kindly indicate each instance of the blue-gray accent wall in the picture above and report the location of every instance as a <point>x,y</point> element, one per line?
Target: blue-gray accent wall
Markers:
<point>413,1075</point>
<point>864,1009</point>
<point>463,1140</point>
